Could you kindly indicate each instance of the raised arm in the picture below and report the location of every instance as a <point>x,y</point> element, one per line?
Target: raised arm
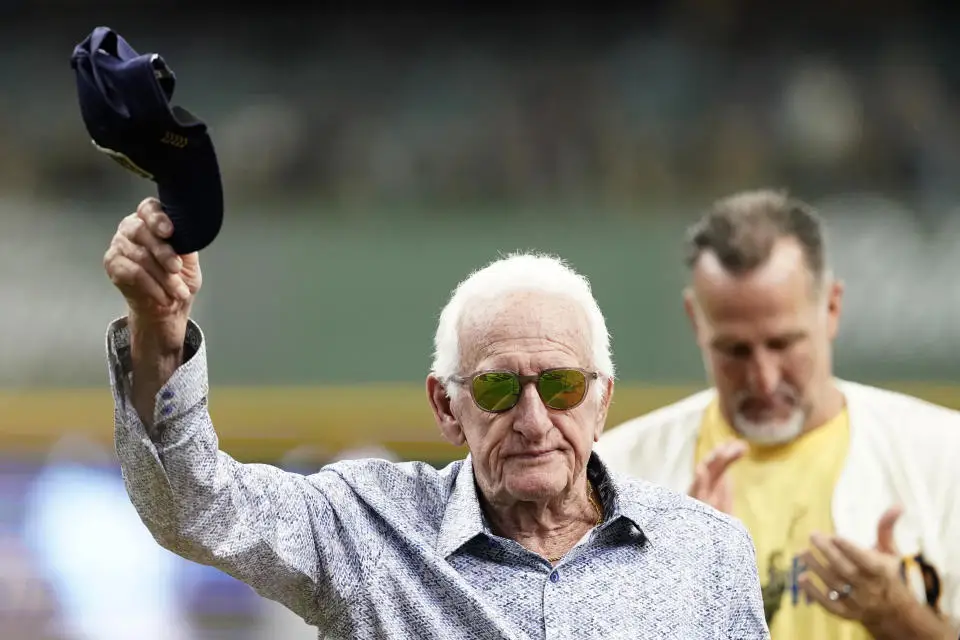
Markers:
<point>294,539</point>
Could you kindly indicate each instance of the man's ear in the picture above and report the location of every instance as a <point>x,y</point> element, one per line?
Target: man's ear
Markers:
<point>690,308</point>
<point>442,408</point>
<point>834,308</point>
<point>604,408</point>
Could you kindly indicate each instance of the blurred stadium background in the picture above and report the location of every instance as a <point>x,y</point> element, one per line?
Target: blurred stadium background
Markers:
<point>371,159</point>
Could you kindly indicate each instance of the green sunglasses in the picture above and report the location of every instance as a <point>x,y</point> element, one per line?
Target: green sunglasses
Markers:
<point>497,391</point>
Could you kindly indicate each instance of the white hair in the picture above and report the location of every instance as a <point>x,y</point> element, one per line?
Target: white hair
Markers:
<point>518,272</point>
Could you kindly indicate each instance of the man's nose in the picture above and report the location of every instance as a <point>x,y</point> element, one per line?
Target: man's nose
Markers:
<point>531,417</point>
<point>764,374</point>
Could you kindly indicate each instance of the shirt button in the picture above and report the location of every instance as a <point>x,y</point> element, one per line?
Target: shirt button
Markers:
<point>167,395</point>
<point>555,576</point>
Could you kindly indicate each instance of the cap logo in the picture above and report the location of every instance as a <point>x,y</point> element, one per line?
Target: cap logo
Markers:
<point>174,139</point>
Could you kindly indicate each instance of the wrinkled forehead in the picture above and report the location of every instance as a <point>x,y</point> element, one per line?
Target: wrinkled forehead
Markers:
<point>528,326</point>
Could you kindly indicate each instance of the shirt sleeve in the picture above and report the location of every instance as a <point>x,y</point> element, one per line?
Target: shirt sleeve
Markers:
<point>293,538</point>
<point>746,620</point>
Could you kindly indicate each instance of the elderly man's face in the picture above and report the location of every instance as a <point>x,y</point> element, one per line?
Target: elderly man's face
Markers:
<point>766,340</point>
<point>529,452</point>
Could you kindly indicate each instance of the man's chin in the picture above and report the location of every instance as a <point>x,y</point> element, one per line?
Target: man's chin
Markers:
<point>534,486</point>
<point>770,433</point>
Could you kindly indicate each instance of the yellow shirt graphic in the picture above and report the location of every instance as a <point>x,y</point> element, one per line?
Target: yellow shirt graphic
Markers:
<point>783,494</point>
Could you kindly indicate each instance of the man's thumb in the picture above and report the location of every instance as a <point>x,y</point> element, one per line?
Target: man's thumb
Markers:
<point>885,541</point>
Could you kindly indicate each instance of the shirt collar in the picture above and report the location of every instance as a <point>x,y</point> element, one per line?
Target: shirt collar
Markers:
<point>620,500</point>
<point>463,518</point>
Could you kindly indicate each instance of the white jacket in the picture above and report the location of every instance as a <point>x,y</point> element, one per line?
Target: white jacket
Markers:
<point>903,450</point>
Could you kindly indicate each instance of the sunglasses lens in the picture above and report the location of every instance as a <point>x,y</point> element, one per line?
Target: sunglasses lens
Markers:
<point>496,391</point>
<point>562,389</point>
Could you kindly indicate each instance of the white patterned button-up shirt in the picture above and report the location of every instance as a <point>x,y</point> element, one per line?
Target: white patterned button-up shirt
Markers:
<point>375,549</point>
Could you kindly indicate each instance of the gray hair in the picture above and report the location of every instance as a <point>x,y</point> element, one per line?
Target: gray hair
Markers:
<point>516,273</point>
<point>741,231</point>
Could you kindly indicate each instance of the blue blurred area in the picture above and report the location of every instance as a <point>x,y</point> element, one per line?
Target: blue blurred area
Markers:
<point>104,575</point>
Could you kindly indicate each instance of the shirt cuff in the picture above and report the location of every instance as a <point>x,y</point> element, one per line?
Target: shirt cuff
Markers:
<point>186,388</point>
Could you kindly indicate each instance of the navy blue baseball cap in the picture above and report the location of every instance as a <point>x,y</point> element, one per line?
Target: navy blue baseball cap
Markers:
<point>125,104</point>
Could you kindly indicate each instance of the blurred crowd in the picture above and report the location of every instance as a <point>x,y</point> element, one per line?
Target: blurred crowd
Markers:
<point>677,101</point>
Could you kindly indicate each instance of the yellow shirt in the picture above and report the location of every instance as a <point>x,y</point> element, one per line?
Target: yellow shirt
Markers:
<point>783,494</point>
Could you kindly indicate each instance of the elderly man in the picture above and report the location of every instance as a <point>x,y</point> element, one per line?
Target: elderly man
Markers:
<point>819,469</point>
<point>528,537</point>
